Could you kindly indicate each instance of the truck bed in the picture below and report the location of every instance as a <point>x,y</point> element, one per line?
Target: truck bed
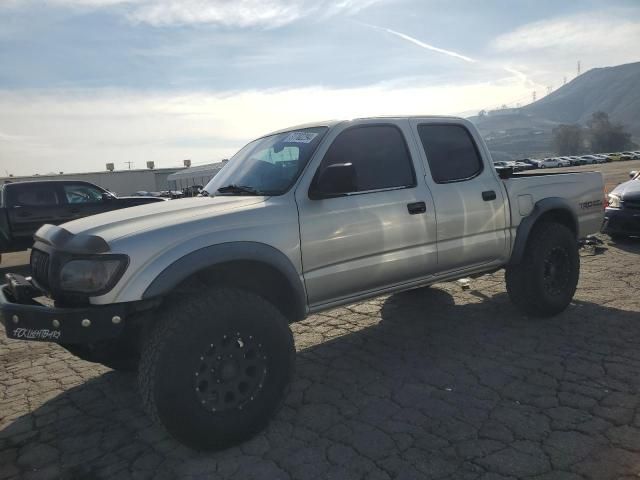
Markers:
<point>582,191</point>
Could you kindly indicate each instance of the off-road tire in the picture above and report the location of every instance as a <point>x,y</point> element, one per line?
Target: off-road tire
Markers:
<point>535,285</point>
<point>189,333</point>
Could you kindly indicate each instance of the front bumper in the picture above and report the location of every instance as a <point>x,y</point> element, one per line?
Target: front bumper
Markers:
<point>621,221</point>
<point>25,319</point>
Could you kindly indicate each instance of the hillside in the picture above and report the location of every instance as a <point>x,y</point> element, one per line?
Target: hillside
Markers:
<point>527,131</point>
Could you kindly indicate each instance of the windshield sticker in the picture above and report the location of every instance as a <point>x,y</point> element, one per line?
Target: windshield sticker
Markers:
<point>300,137</point>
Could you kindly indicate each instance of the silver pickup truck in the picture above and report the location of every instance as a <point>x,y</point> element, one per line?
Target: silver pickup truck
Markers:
<point>198,294</point>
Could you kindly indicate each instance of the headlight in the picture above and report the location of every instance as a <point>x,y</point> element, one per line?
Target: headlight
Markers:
<point>91,275</point>
<point>614,201</point>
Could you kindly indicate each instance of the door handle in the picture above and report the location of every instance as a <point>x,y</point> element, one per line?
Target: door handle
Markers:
<point>416,208</point>
<point>488,195</point>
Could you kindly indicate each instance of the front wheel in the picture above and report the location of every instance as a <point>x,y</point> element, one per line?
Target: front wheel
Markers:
<point>545,280</point>
<point>216,367</point>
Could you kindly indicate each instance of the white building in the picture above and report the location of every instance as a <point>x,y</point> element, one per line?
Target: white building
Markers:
<point>200,175</point>
<point>121,182</point>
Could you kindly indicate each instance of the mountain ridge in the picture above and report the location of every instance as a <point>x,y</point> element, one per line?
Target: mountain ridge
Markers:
<point>528,130</point>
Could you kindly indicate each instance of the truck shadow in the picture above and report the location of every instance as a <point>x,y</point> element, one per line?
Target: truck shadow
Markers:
<point>408,383</point>
<point>630,244</point>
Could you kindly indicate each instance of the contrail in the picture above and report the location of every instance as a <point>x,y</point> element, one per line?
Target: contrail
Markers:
<point>516,73</point>
<point>417,42</point>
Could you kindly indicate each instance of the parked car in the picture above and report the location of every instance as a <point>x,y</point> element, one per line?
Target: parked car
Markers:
<point>576,161</point>
<point>198,294</point>
<point>501,164</point>
<point>622,215</point>
<point>590,159</point>
<point>549,163</point>
<point>614,157</point>
<point>564,161</point>
<point>26,206</point>
<point>521,166</point>
<point>532,161</point>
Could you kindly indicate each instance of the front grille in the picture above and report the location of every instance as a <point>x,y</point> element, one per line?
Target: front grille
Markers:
<point>40,267</point>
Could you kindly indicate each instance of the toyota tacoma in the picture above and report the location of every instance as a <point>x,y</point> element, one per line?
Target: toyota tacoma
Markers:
<point>197,294</point>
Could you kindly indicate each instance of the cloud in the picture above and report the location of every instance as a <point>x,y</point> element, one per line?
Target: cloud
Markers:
<point>421,44</point>
<point>71,131</point>
<point>227,13</point>
<point>520,75</point>
<point>548,51</point>
<point>584,33</point>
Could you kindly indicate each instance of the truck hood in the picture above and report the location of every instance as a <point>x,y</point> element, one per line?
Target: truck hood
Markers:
<point>128,221</point>
<point>629,190</point>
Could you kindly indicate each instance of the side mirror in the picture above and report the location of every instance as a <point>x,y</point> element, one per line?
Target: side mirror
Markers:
<point>633,173</point>
<point>334,181</point>
<point>106,197</point>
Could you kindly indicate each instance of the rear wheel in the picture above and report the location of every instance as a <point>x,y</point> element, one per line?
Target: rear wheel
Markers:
<point>544,282</point>
<point>216,367</point>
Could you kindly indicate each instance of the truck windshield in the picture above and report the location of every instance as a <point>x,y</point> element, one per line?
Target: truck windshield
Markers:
<point>267,166</point>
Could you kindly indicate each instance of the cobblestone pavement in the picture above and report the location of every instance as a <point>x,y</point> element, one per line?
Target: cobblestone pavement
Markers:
<point>432,383</point>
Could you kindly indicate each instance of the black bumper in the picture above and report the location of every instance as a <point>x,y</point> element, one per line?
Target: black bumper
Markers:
<point>621,221</point>
<point>30,321</point>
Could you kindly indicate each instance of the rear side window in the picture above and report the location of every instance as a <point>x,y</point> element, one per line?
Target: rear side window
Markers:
<point>32,195</point>
<point>451,152</point>
<point>379,155</point>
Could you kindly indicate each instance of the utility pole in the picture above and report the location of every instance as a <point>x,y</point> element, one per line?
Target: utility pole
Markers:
<point>549,88</point>
<point>579,68</point>
<point>534,96</point>
<point>129,163</point>
<point>564,81</point>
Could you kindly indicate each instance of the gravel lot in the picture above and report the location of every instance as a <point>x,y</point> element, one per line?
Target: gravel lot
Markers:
<point>437,382</point>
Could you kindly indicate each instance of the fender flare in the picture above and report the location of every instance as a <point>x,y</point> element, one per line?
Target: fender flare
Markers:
<point>222,253</point>
<point>526,225</point>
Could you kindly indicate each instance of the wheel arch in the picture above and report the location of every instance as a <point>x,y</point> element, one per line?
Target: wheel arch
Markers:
<point>251,266</point>
<point>552,209</point>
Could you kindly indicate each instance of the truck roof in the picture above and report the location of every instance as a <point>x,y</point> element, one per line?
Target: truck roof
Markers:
<point>332,123</point>
<point>33,182</point>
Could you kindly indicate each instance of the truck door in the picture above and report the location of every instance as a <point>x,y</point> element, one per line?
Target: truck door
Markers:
<point>469,198</point>
<point>30,205</point>
<point>381,231</point>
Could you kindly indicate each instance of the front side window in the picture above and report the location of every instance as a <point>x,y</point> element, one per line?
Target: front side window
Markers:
<point>78,193</point>
<point>267,166</point>
<point>451,152</point>
<point>378,154</point>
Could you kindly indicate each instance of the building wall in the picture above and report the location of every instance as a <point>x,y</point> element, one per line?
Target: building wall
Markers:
<point>123,182</point>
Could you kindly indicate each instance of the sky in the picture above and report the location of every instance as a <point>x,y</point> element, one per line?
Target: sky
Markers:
<point>89,82</point>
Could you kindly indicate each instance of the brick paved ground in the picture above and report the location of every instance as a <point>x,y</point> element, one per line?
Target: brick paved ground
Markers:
<point>432,383</point>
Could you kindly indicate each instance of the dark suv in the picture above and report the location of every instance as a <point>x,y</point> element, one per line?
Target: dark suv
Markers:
<point>26,206</point>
